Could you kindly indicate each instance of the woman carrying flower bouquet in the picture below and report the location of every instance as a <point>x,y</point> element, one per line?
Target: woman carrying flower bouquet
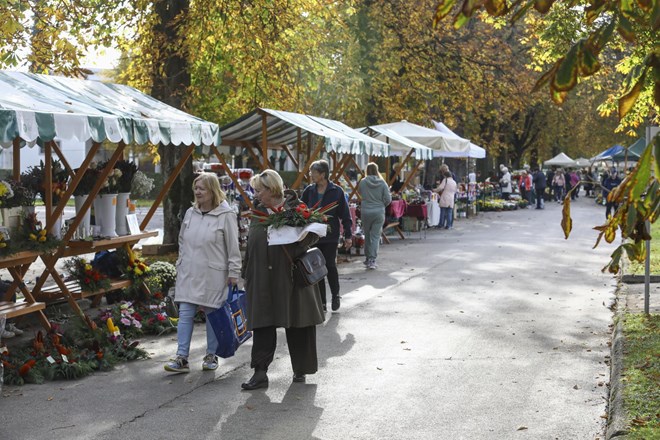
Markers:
<point>272,298</point>
<point>209,259</point>
<point>322,193</point>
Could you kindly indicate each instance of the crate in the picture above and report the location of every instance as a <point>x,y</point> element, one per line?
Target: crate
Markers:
<point>410,224</point>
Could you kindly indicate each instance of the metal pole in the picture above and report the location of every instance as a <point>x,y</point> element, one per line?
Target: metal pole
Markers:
<point>647,270</point>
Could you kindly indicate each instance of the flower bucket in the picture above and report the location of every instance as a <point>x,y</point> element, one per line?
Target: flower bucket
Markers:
<point>83,227</point>
<point>121,224</point>
<point>105,212</point>
<point>56,229</point>
<point>11,218</point>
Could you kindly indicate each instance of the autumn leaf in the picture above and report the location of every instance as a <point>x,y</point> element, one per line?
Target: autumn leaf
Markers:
<point>566,221</point>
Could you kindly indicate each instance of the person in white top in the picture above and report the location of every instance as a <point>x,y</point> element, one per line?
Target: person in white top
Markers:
<point>447,190</point>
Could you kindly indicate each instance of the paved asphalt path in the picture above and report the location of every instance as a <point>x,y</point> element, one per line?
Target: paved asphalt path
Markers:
<point>497,329</point>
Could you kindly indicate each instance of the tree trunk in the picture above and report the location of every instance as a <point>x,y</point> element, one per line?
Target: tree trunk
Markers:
<point>171,79</point>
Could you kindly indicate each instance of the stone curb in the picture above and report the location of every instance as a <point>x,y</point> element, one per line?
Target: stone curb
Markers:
<point>616,420</point>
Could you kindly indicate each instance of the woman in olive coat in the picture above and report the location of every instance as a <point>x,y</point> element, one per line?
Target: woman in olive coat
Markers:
<point>272,299</point>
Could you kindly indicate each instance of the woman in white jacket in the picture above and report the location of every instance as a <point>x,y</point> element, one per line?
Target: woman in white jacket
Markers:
<point>505,183</point>
<point>209,259</point>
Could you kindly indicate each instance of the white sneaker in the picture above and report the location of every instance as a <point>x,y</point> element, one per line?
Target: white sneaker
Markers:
<point>12,328</point>
<point>372,265</point>
<point>210,362</point>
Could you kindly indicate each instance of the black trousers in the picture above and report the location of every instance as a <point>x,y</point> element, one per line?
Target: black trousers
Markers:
<point>329,251</point>
<point>302,348</point>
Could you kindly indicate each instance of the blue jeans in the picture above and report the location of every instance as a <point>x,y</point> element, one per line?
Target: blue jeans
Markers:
<point>446,217</point>
<point>184,330</point>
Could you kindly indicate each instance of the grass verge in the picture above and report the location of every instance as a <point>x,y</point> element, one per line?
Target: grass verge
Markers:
<point>641,375</point>
<point>638,268</point>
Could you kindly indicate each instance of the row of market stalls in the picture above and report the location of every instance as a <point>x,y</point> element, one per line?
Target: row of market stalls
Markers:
<point>615,155</point>
<point>46,110</point>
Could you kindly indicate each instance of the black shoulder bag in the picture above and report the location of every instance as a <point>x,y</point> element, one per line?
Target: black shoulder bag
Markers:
<point>309,268</point>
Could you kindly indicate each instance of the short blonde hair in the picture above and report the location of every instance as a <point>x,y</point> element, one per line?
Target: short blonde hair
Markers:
<point>268,179</point>
<point>211,183</point>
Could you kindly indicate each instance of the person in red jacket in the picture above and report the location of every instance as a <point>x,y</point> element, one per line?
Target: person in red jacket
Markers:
<point>525,185</point>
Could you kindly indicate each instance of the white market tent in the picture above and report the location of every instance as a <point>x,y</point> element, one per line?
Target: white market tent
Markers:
<point>475,151</point>
<point>265,128</point>
<point>560,160</point>
<point>583,162</point>
<point>440,142</point>
<point>399,146</point>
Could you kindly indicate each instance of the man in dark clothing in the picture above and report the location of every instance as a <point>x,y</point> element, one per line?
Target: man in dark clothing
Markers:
<point>610,182</point>
<point>321,193</point>
<point>539,187</point>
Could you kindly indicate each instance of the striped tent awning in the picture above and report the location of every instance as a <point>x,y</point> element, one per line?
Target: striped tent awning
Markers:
<point>400,144</point>
<point>46,107</point>
<point>283,128</point>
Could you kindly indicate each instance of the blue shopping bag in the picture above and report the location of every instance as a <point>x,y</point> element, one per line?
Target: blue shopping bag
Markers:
<point>230,323</point>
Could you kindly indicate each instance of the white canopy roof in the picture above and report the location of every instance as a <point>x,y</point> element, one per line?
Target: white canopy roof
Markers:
<point>440,142</point>
<point>560,160</point>
<point>43,106</point>
<point>399,145</point>
<point>474,151</point>
<point>282,129</point>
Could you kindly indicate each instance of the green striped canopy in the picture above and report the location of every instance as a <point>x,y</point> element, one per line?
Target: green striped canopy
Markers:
<point>43,106</point>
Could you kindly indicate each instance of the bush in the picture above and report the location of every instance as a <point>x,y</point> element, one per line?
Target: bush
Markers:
<point>162,276</point>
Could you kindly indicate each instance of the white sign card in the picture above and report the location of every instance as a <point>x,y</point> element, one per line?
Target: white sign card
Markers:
<point>133,224</point>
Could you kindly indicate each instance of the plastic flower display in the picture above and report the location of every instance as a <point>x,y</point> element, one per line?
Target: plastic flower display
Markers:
<point>90,279</point>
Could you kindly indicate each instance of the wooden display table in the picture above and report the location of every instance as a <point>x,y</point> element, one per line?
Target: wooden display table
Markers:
<point>17,266</point>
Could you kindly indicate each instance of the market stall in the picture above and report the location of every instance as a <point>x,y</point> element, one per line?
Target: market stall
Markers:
<point>44,110</point>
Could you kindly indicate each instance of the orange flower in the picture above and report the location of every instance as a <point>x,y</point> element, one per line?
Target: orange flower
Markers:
<point>24,370</point>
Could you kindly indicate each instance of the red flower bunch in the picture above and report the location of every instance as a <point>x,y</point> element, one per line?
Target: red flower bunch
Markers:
<point>301,215</point>
<point>90,279</point>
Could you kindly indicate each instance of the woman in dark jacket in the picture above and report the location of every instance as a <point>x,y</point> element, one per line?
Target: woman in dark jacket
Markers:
<point>321,193</point>
<point>272,299</point>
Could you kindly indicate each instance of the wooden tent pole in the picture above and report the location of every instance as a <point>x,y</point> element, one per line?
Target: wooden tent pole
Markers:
<point>305,169</point>
<point>390,180</point>
<point>231,175</point>
<point>355,191</point>
<point>166,187</point>
<point>77,177</point>
<point>256,158</point>
<point>16,172</point>
<point>48,184</point>
<point>68,168</point>
<point>343,163</point>
<point>412,174</point>
<point>288,153</point>
<point>264,140</point>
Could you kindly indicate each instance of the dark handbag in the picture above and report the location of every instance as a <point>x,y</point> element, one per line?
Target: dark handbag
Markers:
<point>309,268</point>
<point>230,324</point>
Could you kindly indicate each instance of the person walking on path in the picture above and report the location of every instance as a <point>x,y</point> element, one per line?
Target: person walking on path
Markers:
<point>611,181</point>
<point>447,191</point>
<point>558,185</point>
<point>539,187</point>
<point>375,196</point>
<point>505,183</point>
<point>321,193</point>
<point>525,185</point>
<point>209,259</point>
<point>272,298</point>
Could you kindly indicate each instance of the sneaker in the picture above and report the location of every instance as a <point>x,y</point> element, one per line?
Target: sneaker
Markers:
<point>372,265</point>
<point>178,365</point>
<point>6,334</point>
<point>13,329</point>
<point>210,362</point>
<point>366,262</point>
